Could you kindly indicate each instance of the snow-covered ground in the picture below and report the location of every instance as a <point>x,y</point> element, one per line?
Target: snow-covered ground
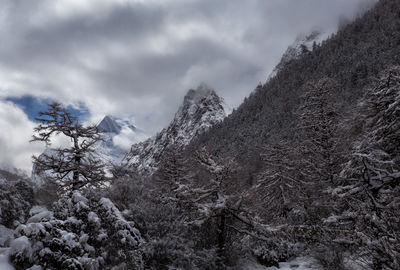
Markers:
<point>6,235</point>
<point>300,263</point>
<point>4,264</point>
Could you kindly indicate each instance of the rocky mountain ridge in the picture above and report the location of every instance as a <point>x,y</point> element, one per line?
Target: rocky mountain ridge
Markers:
<point>202,108</point>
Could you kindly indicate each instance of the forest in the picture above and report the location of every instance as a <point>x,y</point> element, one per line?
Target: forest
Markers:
<point>308,166</point>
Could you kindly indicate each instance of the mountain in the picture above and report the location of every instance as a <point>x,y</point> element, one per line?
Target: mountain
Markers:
<point>353,56</point>
<point>111,124</point>
<point>109,151</point>
<point>202,108</point>
<point>303,44</point>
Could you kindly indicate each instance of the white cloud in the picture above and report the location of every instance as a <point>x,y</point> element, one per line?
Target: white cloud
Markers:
<point>16,132</point>
<point>127,136</point>
<point>135,57</point>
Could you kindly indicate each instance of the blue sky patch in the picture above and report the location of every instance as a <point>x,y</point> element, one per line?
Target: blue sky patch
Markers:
<point>33,105</point>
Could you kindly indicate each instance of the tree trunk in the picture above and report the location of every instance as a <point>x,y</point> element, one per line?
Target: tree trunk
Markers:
<point>221,240</point>
<point>75,177</point>
<point>77,161</point>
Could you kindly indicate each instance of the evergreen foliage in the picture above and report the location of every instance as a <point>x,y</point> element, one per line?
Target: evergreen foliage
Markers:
<point>79,233</point>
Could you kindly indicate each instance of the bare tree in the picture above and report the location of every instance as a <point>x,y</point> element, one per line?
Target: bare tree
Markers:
<point>74,167</point>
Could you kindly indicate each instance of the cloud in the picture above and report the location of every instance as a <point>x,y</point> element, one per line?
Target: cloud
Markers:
<point>127,136</point>
<point>16,131</point>
<point>16,150</point>
<point>139,57</point>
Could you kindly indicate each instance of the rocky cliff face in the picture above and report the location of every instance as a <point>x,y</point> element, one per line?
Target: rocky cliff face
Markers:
<point>201,109</point>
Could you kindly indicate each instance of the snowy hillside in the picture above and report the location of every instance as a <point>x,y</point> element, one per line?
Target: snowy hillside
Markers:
<point>302,44</point>
<point>201,109</point>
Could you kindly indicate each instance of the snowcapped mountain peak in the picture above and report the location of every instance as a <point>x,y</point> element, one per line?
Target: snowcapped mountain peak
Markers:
<point>201,109</point>
<point>201,92</point>
<point>111,124</point>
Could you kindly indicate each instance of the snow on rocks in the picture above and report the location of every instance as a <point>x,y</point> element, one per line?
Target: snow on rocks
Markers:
<point>201,109</point>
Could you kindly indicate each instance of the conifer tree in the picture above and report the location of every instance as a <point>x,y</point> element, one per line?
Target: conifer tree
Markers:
<point>280,184</point>
<point>370,194</point>
<point>73,167</point>
<point>318,124</point>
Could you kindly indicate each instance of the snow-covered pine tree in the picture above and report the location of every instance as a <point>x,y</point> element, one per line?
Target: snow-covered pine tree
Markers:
<point>79,233</point>
<point>75,167</point>
<point>171,171</point>
<point>16,198</point>
<point>319,155</point>
<point>318,125</point>
<point>370,194</point>
<point>279,185</point>
<point>170,242</point>
<point>214,207</point>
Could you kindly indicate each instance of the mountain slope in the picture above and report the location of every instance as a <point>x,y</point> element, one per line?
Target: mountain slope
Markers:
<point>357,52</point>
<point>109,151</point>
<point>201,109</point>
<point>302,45</point>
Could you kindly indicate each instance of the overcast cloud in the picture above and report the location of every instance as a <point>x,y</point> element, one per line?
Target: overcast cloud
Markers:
<point>137,58</point>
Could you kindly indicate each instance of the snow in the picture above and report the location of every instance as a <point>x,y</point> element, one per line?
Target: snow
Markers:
<point>108,125</point>
<point>299,263</point>
<point>31,229</point>
<point>6,235</point>
<point>40,216</point>
<point>35,267</point>
<point>202,108</point>
<point>294,51</point>
<point>36,209</point>
<point>4,263</point>
<point>94,219</point>
<point>70,239</point>
<point>21,245</point>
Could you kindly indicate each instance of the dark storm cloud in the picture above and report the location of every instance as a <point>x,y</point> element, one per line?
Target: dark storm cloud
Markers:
<point>139,57</point>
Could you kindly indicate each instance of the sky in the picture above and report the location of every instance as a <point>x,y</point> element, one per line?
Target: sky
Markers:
<point>136,59</point>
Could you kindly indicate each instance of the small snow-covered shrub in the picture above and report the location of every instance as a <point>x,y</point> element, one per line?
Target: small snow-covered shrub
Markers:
<point>271,252</point>
<point>79,234</point>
